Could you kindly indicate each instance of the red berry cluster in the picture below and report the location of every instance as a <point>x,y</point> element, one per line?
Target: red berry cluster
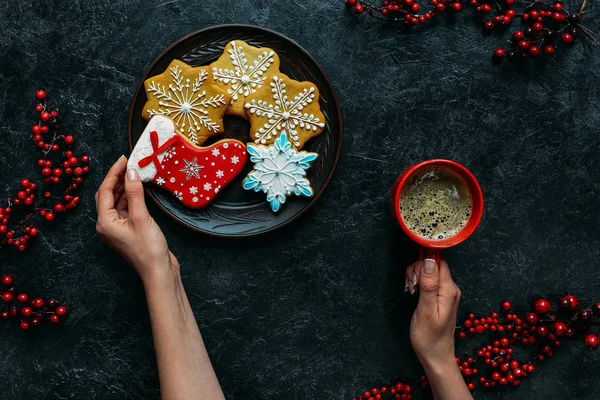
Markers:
<point>399,391</point>
<point>50,141</point>
<point>495,364</point>
<point>30,312</point>
<point>546,21</point>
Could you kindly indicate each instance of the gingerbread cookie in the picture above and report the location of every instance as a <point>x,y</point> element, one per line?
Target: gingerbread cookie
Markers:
<point>241,70</point>
<point>189,97</point>
<point>279,171</point>
<point>285,105</point>
<point>195,175</point>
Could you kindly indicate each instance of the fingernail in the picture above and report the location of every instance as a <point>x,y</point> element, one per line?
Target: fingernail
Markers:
<point>429,267</point>
<point>412,290</point>
<point>406,285</point>
<point>122,156</point>
<point>132,174</point>
<point>414,279</point>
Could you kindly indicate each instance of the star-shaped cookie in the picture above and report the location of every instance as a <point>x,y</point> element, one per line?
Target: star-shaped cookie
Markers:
<point>283,104</point>
<point>241,70</point>
<point>187,96</point>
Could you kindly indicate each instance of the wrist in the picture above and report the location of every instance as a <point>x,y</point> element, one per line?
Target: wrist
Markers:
<point>162,276</point>
<point>440,367</point>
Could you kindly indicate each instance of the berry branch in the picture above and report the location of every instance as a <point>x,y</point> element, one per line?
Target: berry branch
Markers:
<point>495,364</point>
<point>546,21</point>
<point>53,171</point>
<point>31,313</point>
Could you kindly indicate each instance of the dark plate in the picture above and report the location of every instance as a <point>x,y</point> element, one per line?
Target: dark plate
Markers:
<point>237,212</point>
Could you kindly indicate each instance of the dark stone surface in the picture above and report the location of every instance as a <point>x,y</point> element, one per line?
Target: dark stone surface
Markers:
<point>316,310</point>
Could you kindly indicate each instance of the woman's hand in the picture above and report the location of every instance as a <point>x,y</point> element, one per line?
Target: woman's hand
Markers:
<point>125,224</point>
<point>432,327</point>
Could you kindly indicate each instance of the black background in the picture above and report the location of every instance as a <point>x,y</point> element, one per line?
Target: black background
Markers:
<point>315,310</point>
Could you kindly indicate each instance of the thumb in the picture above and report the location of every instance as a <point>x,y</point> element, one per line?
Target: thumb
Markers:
<point>429,283</point>
<point>135,195</point>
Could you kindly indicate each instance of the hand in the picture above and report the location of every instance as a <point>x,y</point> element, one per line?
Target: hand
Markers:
<point>432,327</point>
<point>434,320</point>
<point>125,224</point>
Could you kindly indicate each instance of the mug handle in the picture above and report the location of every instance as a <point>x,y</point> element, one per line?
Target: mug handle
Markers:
<point>434,254</point>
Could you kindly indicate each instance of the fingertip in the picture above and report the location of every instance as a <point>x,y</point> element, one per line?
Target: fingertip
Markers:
<point>133,175</point>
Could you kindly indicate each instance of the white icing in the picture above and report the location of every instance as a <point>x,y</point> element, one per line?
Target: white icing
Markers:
<point>220,174</point>
<point>172,180</point>
<point>215,152</point>
<point>193,190</point>
<point>207,186</point>
<point>244,79</point>
<point>284,115</point>
<point>191,169</point>
<point>186,103</point>
<point>235,160</point>
<point>226,145</point>
<point>143,148</point>
<point>195,199</point>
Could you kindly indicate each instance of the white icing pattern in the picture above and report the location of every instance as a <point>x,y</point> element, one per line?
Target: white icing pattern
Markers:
<point>279,171</point>
<point>284,115</point>
<point>186,103</point>
<point>244,79</point>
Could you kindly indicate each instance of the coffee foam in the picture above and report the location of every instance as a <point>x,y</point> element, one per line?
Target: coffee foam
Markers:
<point>435,203</point>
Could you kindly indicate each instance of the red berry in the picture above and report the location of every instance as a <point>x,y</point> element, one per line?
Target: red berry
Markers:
<point>45,116</point>
<point>45,129</point>
<point>35,321</point>
<point>7,297</point>
<point>537,27</point>
<point>518,35</point>
<point>456,6</point>
<point>592,342</point>
<point>39,108</point>
<point>548,50</point>
<point>573,300</point>
<point>54,114</point>
<point>523,45</point>
<point>351,2</point>
<point>560,329</point>
<point>506,305</point>
<point>69,139</point>
<point>566,38</point>
<point>59,208</point>
<point>36,129</point>
<point>7,280</point>
<point>22,298</point>
<point>542,306</point>
<point>26,311</point>
<point>61,311</point>
<point>37,303</point>
<point>40,95</point>
<point>54,319</point>
<point>359,9</point>
<point>534,51</point>
<point>46,171</point>
<point>24,325</point>
<point>506,20</point>
<point>34,232</point>
<point>486,8</point>
<point>488,26</point>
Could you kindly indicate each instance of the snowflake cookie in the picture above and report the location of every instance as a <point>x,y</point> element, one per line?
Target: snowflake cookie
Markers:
<point>194,175</point>
<point>285,105</point>
<point>241,70</point>
<point>187,96</point>
<point>279,171</point>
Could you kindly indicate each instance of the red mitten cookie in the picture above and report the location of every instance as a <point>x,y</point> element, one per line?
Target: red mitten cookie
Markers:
<point>195,175</point>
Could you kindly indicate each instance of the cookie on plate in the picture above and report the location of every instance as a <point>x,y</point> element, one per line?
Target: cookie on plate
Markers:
<point>285,105</point>
<point>279,171</point>
<point>187,96</point>
<point>241,70</point>
<point>195,175</point>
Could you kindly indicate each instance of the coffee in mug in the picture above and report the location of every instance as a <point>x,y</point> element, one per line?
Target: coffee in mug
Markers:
<point>435,203</point>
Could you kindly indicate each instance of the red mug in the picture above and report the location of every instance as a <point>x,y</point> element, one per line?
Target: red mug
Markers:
<point>433,248</point>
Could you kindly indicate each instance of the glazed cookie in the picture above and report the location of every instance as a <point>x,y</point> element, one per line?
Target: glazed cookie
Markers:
<point>285,105</point>
<point>241,70</point>
<point>187,96</point>
<point>195,175</point>
<point>279,171</point>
